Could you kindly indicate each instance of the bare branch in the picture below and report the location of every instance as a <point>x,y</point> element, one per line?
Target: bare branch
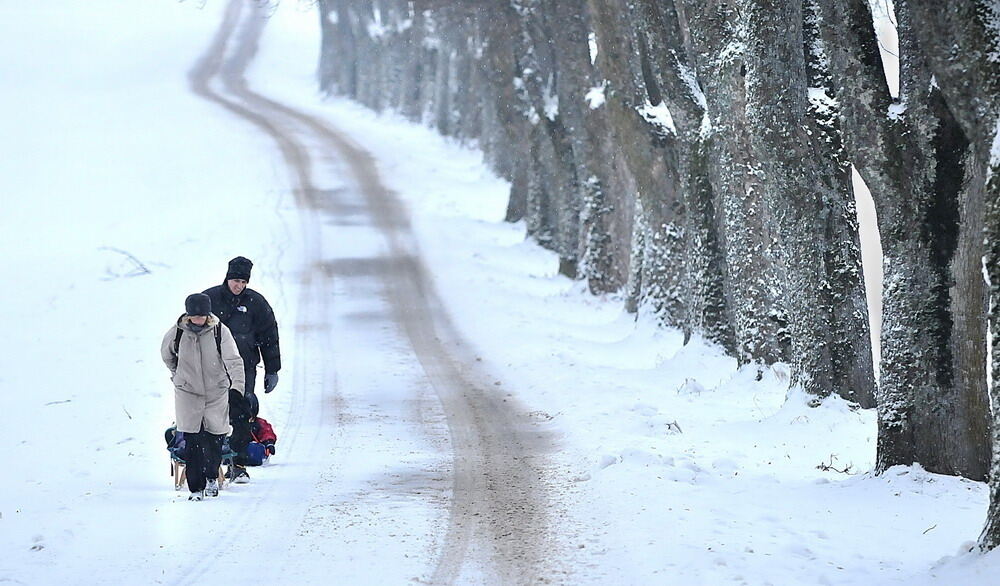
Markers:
<point>134,269</point>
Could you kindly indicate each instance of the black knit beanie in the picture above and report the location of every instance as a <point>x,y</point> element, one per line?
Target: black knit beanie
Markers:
<point>198,304</point>
<point>239,268</point>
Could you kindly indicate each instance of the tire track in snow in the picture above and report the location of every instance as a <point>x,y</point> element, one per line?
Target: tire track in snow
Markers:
<point>309,336</point>
<point>499,529</point>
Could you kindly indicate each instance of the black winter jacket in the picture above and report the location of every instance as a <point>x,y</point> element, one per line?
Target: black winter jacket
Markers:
<point>251,320</point>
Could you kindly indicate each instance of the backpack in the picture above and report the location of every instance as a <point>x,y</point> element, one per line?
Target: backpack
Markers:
<point>180,334</point>
<point>218,345</point>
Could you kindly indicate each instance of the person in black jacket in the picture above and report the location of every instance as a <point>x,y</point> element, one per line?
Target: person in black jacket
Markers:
<point>251,320</point>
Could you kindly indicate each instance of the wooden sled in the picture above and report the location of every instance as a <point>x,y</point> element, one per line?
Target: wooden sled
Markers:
<point>178,470</point>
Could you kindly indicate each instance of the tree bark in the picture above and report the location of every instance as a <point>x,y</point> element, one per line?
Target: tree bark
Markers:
<point>670,72</point>
<point>960,40</point>
<point>716,38</point>
<point>912,154</point>
<point>642,170</point>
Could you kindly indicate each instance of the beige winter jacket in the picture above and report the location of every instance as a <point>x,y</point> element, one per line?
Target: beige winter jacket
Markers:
<point>201,377</point>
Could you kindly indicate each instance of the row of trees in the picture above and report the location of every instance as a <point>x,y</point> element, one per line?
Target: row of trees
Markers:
<point>698,154</point>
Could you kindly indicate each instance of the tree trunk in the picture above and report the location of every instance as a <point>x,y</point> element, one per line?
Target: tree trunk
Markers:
<point>804,187</point>
<point>717,34</point>
<point>959,40</point>
<point>642,170</point>
<point>852,370</point>
<point>670,71</point>
<point>990,537</point>
<point>913,160</point>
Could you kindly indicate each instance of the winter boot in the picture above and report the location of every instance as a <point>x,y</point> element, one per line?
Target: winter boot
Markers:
<point>242,476</point>
<point>197,496</point>
<point>212,488</point>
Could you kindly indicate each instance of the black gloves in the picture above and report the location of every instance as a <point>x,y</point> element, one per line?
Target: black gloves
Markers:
<point>252,403</point>
<point>270,381</point>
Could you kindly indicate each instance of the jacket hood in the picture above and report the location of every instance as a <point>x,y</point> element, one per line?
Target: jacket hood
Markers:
<point>184,322</point>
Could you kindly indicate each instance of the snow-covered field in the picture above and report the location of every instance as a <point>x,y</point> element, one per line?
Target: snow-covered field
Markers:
<point>674,467</point>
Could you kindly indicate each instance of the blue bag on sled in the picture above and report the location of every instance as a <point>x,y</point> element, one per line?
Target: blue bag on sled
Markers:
<point>256,453</point>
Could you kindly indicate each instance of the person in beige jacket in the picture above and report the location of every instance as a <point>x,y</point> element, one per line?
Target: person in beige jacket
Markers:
<point>204,365</point>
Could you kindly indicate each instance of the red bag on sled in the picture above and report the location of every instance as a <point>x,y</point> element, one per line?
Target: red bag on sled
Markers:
<point>263,432</point>
<point>262,446</point>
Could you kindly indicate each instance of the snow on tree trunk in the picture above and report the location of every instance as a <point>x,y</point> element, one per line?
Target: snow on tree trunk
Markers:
<point>960,41</point>
<point>641,168</point>
<point>602,246</point>
<point>912,155</point>
<point>803,187</point>
<point>852,370</point>
<point>681,102</point>
<point>701,151</point>
<point>338,54</point>
<point>947,402</point>
<point>752,298</point>
<point>990,537</point>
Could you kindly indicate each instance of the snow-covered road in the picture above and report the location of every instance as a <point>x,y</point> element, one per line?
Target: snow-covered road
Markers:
<point>451,410</point>
<point>483,461</point>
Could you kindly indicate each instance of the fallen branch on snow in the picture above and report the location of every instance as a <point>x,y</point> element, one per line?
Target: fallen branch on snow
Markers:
<point>831,468</point>
<point>136,267</point>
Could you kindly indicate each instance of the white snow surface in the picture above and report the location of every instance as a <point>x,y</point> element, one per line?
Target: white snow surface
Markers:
<point>674,467</point>
<point>595,96</point>
<point>822,101</point>
<point>896,110</point>
<point>995,149</point>
<point>658,115</point>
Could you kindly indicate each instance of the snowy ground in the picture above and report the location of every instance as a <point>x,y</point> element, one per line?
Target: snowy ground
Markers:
<point>674,466</point>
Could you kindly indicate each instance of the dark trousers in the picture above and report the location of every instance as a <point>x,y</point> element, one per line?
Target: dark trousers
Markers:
<point>203,458</point>
<point>251,378</point>
<point>240,415</point>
